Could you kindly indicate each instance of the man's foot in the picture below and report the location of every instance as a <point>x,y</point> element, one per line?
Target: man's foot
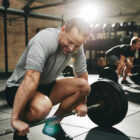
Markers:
<point>61,134</point>
<point>17,137</point>
<point>55,131</point>
<point>125,82</point>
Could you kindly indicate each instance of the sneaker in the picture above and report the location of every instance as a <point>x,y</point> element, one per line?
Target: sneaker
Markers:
<point>125,82</point>
<point>61,134</point>
<point>55,131</point>
<point>17,137</point>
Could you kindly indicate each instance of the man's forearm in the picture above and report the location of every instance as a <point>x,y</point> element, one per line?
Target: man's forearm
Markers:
<point>85,76</point>
<point>22,97</point>
<point>84,101</point>
<point>24,93</point>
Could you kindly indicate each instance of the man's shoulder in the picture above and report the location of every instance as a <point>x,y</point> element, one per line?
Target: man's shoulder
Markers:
<point>48,31</point>
<point>125,46</point>
<point>116,47</point>
<point>47,36</point>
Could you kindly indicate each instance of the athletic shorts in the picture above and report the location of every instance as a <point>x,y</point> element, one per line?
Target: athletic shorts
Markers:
<point>11,91</point>
<point>112,59</point>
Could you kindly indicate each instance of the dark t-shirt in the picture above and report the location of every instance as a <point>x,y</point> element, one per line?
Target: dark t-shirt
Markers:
<point>121,50</point>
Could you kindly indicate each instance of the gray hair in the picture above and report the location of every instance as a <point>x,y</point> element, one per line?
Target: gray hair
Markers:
<point>82,26</point>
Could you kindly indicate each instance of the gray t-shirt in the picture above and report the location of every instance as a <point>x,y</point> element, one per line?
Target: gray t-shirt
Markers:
<point>44,55</point>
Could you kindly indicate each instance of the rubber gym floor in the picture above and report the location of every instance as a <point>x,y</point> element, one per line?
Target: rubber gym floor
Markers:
<point>82,128</point>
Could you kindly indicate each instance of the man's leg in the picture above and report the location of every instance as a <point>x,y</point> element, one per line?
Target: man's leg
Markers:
<point>69,93</point>
<point>37,109</point>
<point>120,68</point>
<point>127,71</point>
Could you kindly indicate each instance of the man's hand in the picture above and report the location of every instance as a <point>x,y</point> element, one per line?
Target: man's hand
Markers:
<point>82,110</point>
<point>21,127</point>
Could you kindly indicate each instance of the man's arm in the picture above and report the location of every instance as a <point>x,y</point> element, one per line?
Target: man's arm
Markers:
<point>122,59</point>
<point>84,75</point>
<point>83,107</point>
<point>24,93</point>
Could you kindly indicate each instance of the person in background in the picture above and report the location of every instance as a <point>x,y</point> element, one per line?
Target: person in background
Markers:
<point>122,56</point>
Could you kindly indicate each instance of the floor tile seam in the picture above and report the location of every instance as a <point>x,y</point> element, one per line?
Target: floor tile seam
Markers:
<point>132,114</point>
<point>76,126</point>
<point>5,112</point>
<point>80,134</point>
<point>134,137</point>
<point>5,119</point>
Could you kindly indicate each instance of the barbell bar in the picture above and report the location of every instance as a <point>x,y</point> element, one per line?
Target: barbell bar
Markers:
<point>11,130</point>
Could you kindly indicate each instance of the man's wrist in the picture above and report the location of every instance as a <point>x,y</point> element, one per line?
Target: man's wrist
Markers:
<point>15,118</point>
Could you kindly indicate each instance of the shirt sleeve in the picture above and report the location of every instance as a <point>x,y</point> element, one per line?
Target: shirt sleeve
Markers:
<point>36,56</point>
<point>79,62</point>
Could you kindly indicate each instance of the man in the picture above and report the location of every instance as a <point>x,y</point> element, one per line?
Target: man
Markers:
<point>32,89</point>
<point>122,56</point>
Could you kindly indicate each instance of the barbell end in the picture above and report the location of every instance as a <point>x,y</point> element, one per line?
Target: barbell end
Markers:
<point>7,131</point>
<point>97,105</point>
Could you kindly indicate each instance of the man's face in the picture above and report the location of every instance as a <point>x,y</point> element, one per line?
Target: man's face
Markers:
<point>137,45</point>
<point>71,41</point>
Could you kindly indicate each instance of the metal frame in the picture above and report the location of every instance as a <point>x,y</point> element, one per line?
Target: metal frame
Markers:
<point>26,13</point>
<point>6,4</point>
<point>14,11</point>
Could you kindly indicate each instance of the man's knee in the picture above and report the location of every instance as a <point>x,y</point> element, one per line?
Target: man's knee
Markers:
<point>40,110</point>
<point>83,87</point>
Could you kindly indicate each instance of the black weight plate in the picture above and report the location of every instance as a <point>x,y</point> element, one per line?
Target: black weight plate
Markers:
<point>68,71</point>
<point>135,78</point>
<point>115,103</point>
<point>135,69</point>
<point>109,73</point>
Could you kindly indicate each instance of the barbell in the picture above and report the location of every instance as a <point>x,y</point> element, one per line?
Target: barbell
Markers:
<point>107,105</point>
<point>11,130</point>
<point>110,73</point>
<point>135,77</point>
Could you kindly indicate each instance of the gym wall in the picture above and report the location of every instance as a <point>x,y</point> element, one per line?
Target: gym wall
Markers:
<point>16,32</point>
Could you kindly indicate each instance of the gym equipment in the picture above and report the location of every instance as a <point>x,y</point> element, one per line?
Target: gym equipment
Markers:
<point>107,105</point>
<point>135,77</point>
<point>68,71</point>
<point>109,73</point>
<point>8,131</point>
<point>132,25</point>
<point>116,26</point>
<point>114,103</point>
<point>135,69</point>
<point>124,26</point>
<point>107,27</point>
